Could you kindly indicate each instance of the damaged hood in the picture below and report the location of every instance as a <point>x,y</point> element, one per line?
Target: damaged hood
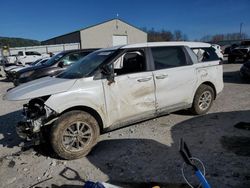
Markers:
<point>10,68</point>
<point>38,88</point>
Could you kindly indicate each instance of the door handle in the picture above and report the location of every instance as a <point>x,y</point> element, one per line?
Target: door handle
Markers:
<point>144,79</point>
<point>161,76</point>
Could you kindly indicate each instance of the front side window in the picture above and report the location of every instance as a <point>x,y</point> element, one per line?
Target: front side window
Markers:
<point>28,53</point>
<point>32,53</point>
<point>168,57</point>
<point>130,62</point>
<point>20,53</point>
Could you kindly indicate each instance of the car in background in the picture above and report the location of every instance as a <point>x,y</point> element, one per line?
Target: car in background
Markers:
<point>241,52</point>
<point>228,49</point>
<point>53,66</point>
<point>10,60</point>
<point>28,57</point>
<point>245,71</point>
<point>11,70</point>
<point>218,51</point>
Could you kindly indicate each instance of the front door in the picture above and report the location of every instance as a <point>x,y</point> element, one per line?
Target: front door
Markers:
<point>132,96</point>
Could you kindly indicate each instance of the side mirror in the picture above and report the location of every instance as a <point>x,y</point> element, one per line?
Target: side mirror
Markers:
<point>107,71</point>
<point>61,64</point>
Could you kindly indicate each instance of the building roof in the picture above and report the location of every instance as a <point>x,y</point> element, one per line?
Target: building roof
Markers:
<point>94,26</point>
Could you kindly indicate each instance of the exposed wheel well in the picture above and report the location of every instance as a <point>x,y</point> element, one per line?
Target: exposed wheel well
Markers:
<point>212,86</point>
<point>91,111</point>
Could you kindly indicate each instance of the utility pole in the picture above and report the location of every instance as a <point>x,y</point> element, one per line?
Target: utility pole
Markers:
<point>241,30</point>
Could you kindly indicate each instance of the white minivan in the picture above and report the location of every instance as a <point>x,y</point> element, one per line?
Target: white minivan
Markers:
<point>114,87</point>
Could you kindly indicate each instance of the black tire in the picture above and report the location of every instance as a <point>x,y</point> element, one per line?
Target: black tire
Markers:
<point>231,59</point>
<point>62,131</point>
<point>201,106</point>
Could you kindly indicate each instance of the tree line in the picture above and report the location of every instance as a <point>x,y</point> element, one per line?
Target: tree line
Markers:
<point>177,35</point>
<point>17,42</point>
<point>224,37</point>
<point>164,35</point>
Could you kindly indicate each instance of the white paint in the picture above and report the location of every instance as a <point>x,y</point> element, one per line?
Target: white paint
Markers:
<point>132,96</point>
<point>38,88</point>
<point>174,86</point>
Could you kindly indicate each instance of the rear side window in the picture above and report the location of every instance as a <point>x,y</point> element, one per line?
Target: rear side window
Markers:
<point>168,57</point>
<point>205,54</point>
<point>36,53</point>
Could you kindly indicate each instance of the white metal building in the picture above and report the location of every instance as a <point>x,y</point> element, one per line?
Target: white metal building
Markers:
<point>110,33</point>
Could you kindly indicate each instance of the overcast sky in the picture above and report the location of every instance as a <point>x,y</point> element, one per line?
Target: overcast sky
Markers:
<point>43,19</point>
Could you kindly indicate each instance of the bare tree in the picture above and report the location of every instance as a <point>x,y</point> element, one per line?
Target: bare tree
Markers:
<point>222,37</point>
<point>164,35</point>
<point>178,35</point>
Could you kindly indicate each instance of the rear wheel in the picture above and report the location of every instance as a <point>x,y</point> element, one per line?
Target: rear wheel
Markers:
<point>203,99</point>
<point>74,134</point>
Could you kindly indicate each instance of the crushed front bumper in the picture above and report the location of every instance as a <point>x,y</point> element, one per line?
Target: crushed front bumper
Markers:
<point>34,122</point>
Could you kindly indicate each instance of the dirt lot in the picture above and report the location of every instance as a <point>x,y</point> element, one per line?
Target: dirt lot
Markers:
<point>141,153</point>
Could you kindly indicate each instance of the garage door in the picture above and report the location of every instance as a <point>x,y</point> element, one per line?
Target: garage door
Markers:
<point>120,40</point>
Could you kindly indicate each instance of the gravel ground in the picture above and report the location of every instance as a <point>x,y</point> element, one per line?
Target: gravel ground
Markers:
<point>141,153</point>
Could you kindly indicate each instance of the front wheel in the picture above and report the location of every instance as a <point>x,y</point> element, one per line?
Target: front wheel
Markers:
<point>74,134</point>
<point>203,100</point>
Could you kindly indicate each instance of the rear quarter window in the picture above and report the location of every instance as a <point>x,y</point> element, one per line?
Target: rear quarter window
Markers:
<point>205,54</point>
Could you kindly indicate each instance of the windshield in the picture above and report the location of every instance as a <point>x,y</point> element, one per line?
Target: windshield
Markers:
<point>54,59</point>
<point>35,62</point>
<point>86,65</point>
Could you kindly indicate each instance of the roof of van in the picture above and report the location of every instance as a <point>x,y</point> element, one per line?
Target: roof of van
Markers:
<point>156,44</point>
<point>176,43</point>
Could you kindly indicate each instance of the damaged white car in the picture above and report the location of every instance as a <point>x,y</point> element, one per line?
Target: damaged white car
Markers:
<point>114,87</point>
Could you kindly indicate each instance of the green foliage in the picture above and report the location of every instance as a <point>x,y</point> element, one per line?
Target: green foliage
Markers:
<point>17,42</point>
